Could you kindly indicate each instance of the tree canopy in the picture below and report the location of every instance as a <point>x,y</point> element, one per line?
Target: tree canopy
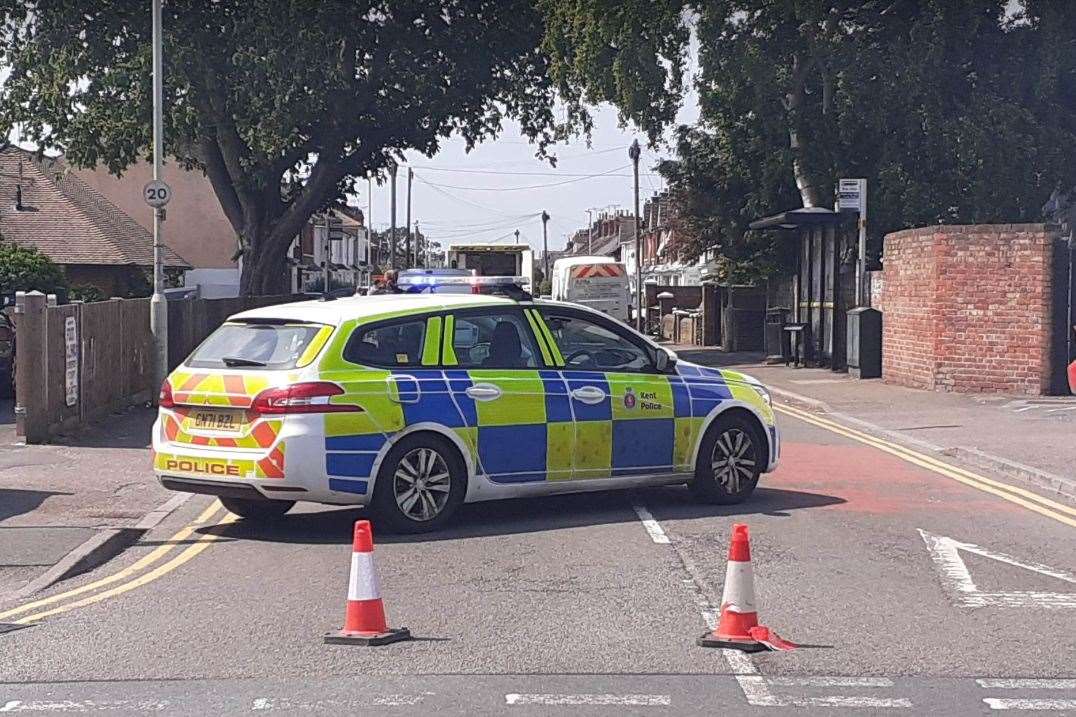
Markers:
<point>954,112</point>
<point>281,102</point>
<point>24,268</point>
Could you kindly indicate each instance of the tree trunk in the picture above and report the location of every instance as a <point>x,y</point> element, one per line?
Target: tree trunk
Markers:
<point>808,180</point>
<point>265,269</point>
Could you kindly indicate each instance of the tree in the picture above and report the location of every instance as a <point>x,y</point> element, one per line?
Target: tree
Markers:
<point>24,268</point>
<point>281,103</point>
<point>954,112</point>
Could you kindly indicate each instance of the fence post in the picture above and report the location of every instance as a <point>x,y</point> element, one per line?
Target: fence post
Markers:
<point>31,368</point>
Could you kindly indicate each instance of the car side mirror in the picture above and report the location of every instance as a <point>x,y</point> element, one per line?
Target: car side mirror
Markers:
<point>665,359</point>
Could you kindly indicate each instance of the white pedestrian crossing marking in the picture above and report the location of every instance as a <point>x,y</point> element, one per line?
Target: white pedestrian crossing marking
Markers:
<point>998,703</point>
<point>514,698</point>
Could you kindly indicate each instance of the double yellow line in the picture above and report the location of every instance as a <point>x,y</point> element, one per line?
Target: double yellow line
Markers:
<point>1025,498</point>
<point>128,578</point>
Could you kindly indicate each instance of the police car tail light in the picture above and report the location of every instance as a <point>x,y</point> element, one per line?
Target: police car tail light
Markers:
<point>164,399</point>
<point>311,397</point>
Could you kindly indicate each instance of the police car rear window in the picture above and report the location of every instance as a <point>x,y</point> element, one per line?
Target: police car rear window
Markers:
<point>264,346</point>
<point>395,344</point>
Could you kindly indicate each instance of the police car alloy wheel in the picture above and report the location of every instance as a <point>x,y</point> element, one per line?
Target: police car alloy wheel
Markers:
<point>729,463</point>
<point>255,509</point>
<point>421,483</point>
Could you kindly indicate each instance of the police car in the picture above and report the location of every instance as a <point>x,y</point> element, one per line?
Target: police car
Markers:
<point>416,403</point>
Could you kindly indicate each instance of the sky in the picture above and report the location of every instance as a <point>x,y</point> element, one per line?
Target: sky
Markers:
<point>500,186</point>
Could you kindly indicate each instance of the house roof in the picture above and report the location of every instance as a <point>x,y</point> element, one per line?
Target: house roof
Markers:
<point>67,220</point>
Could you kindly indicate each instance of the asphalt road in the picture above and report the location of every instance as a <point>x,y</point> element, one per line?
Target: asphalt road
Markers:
<point>910,592</point>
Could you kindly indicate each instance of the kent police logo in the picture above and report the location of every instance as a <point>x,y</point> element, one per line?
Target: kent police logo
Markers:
<point>629,398</point>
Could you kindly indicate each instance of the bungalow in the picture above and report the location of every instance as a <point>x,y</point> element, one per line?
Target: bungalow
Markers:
<point>45,205</point>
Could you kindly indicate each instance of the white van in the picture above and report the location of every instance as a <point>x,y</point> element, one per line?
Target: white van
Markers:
<point>598,282</point>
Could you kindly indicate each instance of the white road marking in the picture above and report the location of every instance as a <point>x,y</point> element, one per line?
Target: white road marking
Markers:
<point>997,703</point>
<point>956,578</point>
<point>754,685</point>
<point>83,706</point>
<point>830,681</point>
<point>652,526</point>
<point>588,700</point>
<point>854,702</point>
<point>265,704</point>
<point>1027,684</point>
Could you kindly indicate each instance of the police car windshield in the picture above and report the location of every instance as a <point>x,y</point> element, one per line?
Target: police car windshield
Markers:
<point>254,346</point>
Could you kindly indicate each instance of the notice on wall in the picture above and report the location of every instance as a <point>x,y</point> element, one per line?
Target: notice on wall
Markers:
<point>71,359</point>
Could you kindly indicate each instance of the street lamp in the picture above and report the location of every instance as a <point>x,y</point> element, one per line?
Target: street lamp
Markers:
<point>633,153</point>
<point>158,314</point>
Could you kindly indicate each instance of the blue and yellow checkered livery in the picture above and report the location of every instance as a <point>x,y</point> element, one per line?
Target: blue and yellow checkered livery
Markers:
<point>547,424</point>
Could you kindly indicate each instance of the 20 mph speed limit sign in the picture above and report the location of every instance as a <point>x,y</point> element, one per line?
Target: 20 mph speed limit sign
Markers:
<point>156,193</point>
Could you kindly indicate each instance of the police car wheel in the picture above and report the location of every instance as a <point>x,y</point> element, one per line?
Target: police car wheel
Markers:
<point>729,463</point>
<point>254,509</point>
<point>420,484</point>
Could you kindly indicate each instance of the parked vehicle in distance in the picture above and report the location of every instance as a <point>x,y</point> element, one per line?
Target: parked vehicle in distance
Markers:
<point>493,259</point>
<point>599,282</point>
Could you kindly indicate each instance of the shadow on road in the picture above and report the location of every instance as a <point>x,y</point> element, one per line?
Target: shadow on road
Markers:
<point>717,358</point>
<point>530,515</point>
<point>129,429</point>
<point>16,501</point>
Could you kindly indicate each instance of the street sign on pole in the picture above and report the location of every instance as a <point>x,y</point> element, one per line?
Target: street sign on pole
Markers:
<point>157,193</point>
<point>852,196</point>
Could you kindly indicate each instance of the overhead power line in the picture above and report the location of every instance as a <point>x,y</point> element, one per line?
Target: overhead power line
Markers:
<point>519,174</point>
<point>531,186</point>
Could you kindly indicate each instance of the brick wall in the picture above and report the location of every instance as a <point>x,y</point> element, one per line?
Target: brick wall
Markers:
<point>967,308</point>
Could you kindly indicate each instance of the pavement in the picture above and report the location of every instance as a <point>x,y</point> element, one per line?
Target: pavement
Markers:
<point>1026,438</point>
<point>67,506</point>
<point>913,587</point>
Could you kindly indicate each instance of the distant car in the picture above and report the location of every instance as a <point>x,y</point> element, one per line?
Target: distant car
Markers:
<point>417,403</point>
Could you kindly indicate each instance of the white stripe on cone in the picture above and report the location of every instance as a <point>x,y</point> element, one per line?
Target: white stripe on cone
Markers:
<point>363,584</point>
<point>739,593</point>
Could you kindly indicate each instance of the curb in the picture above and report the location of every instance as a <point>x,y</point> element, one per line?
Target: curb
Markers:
<point>99,548</point>
<point>1062,488</point>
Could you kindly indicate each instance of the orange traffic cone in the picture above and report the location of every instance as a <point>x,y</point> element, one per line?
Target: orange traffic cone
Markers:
<point>738,627</point>
<point>364,622</point>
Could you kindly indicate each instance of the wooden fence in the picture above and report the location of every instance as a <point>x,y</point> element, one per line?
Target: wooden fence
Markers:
<point>78,362</point>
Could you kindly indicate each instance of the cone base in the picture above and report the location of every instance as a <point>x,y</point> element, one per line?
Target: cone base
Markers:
<point>744,645</point>
<point>341,637</point>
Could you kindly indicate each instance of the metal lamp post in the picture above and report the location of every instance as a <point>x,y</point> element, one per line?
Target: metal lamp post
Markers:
<point>157,194</point>
<point>633,153</point>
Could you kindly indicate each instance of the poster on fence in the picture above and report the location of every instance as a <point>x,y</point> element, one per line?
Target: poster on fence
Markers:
<point>71,359</point>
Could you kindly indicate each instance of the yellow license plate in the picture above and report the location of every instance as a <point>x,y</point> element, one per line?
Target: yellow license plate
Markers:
<point>226,421</point>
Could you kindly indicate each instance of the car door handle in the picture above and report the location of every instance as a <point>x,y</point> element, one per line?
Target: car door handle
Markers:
<point>483,392</point>
<point>589,395</point>
<point>407,388</point>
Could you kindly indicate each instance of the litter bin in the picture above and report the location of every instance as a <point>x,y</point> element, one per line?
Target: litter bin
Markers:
<point>774,335</point>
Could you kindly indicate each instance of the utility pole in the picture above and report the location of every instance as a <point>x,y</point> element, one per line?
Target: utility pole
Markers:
<point>392,224</point>
<point>409,260</point>
<point>633,152</point>
<point>517,236</point>
<point>421,249</point>
<point>158,315</point>
<point>590,231</point>
<point>545,247</point>
<point>326,250</point>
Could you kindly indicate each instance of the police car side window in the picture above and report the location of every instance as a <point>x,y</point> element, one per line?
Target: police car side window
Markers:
<point>493,340</point>
<point>395,344</point>
<point>588,345</point>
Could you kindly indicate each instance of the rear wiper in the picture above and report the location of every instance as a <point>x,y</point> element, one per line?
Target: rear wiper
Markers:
<point>233,361</point>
